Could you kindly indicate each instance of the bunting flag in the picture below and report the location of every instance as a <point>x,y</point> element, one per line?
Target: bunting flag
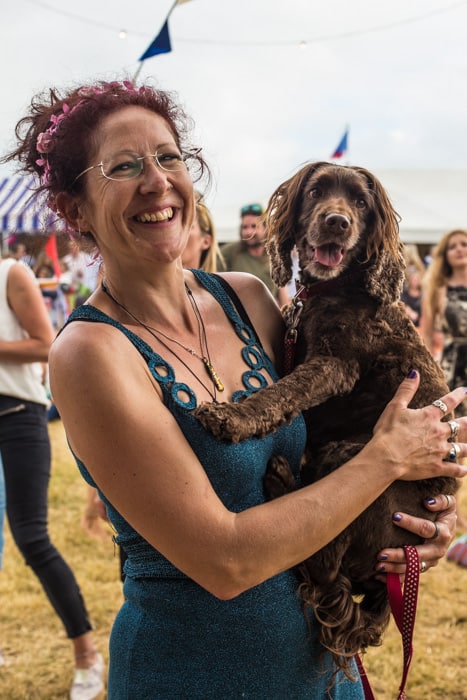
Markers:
<point>52,252</point>
<point>161,44</point>
<point>342,147</point>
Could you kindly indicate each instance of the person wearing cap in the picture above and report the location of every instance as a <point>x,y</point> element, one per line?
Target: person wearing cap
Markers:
<point>249,253</point>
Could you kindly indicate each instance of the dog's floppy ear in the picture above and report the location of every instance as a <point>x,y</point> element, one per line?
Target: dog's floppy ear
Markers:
<point>384,276</point>
<point>281,220</point>
<point>384,250</point>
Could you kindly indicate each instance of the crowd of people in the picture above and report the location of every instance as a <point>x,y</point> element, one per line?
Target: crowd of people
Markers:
<point>208,564</point>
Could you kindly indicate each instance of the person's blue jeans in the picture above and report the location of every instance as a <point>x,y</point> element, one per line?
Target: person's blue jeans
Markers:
<point>26,454</point>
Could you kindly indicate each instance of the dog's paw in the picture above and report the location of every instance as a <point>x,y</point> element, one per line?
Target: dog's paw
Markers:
<point>222,420</point>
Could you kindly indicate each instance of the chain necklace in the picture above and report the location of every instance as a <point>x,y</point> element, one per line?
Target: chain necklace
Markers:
<point>156,332</point>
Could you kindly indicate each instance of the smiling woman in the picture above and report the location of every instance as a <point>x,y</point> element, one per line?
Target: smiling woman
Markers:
<point>210,587</point>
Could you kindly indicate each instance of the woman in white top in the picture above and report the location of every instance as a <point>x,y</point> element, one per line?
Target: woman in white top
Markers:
<point>25,337</point>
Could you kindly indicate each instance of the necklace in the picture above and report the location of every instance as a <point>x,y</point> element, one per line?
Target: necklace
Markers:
<point>156,332</point>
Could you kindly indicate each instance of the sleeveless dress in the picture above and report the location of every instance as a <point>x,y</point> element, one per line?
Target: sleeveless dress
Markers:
<point>454,328</point>
<point>172,640</point>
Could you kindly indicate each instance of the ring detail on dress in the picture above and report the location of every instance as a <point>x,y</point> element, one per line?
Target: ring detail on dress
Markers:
<point>422,567</point>
<point>454,425</point>
<point>441,405</point>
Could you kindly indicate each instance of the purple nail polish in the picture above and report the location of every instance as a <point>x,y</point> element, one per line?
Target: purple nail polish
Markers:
<point>381,568</point>
<point>412,374</point>
<point>397,517</point>
<point>430,501</point>
<point>382,557</point>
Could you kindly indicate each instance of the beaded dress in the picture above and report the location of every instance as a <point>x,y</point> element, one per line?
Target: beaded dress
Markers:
<point>172,640</point>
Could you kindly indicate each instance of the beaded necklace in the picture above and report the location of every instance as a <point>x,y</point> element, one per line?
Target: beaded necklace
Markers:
<point>156,333</point>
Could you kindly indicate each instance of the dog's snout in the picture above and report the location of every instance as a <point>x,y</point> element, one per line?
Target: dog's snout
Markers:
<point>337,222</point>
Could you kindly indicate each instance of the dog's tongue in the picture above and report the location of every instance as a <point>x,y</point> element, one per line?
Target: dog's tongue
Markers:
<point>329,255</point>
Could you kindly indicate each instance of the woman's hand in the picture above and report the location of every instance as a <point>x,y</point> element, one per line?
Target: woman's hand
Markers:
<point>415,442</point>
<point>437,535</point>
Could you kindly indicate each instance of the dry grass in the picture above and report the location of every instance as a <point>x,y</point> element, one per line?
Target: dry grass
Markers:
<point>40,665</point>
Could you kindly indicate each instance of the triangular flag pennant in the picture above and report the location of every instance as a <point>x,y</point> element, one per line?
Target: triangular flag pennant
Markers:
<point>161,44</point>
<point>52,252</point>
<point>342,147</point>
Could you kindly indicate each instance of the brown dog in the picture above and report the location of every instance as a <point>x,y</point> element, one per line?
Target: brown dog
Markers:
<point>355,346</point>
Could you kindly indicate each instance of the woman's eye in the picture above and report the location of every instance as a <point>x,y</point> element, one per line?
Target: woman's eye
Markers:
<point>169,157</point>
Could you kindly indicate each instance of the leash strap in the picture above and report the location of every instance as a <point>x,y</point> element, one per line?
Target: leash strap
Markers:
<point>404,608</point>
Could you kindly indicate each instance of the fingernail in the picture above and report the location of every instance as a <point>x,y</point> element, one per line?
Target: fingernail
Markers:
<point>412,374</point>
<point>382,557</point>
<point>430,501</point>
<point>381,568</point>
<point>397,517</point>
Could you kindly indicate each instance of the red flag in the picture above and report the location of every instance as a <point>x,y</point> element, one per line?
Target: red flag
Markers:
<point>51,250</point>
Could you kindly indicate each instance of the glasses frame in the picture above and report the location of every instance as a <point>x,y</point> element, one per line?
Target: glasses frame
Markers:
<point>185,155</point>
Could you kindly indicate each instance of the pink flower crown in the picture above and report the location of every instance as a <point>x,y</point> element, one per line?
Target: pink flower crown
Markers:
<point>46,141</point>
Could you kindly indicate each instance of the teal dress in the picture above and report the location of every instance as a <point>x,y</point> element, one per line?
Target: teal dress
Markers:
<point>172,640</point>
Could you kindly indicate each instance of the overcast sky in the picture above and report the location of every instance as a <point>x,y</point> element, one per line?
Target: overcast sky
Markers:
<point>270,84</point>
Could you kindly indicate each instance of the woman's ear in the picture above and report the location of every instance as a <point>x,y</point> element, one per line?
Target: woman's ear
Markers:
<point>206,241</point>
<point>70,208</point>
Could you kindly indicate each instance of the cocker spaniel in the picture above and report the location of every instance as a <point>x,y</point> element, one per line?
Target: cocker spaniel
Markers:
<point>355,345</point>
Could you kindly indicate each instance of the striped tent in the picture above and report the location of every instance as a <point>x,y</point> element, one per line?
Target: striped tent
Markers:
<point>20,209</point>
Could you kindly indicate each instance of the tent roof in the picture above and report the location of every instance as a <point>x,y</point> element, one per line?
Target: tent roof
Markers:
<point>20,209</point>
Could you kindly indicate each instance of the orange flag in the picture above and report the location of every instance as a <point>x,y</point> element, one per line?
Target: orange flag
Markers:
<point>51,250</point>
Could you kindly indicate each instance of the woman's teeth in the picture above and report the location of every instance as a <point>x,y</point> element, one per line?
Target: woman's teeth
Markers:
<point>164,215</point>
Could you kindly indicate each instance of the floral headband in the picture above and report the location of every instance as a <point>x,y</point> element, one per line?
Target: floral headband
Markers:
<point>46,141</point>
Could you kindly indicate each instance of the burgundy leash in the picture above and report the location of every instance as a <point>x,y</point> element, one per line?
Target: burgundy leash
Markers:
<point>404,609</point>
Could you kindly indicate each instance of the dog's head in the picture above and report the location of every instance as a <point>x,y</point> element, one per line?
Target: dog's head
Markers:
<point>337,216</point>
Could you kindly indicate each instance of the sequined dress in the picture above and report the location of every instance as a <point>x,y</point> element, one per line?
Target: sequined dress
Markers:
<point>172,640</point>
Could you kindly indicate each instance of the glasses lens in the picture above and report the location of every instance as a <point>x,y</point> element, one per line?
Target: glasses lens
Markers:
<point>170,159</point>
<point>122,166</point>
<point>253,209</point>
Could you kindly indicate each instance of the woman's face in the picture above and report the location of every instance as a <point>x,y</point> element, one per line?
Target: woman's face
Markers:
<point>145,218</point>
<point>198,241</point>
<point>456,251</point>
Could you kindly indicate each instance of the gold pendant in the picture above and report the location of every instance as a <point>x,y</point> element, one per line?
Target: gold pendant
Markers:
<point>213,374</point>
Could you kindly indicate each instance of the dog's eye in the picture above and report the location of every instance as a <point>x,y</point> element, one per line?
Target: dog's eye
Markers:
<point>361,203</point>
<point>315,193</point>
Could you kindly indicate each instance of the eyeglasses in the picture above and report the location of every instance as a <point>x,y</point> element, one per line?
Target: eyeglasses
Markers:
<point>253,209</point>
<point>127,165</point>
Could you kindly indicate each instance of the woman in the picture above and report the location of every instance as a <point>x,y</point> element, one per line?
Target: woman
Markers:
<point>444,309</point>
<point>445,305</point>
<point>202,250</point>
<point>211,608</point>
<point>25,337</point>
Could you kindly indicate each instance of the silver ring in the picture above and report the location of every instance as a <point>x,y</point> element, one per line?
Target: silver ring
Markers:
<point>448,500</point>
<point>454,452</point>
<point>422,567</point>
<point>433,537</point>
<point>440,404</point>
<point>454,425</point>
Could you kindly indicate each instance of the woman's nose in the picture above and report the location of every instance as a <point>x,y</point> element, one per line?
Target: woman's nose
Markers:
<point>154,177</point>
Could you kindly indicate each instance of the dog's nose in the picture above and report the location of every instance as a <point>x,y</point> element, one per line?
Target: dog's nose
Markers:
<point>337,222</point>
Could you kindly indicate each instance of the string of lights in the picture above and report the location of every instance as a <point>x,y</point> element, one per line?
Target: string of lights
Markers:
<point>302,42</point>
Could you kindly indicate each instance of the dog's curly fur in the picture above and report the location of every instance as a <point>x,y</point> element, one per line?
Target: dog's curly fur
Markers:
<point>356,344</point>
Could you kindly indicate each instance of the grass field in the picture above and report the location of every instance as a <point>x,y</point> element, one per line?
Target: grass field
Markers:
<point>39,659</point>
